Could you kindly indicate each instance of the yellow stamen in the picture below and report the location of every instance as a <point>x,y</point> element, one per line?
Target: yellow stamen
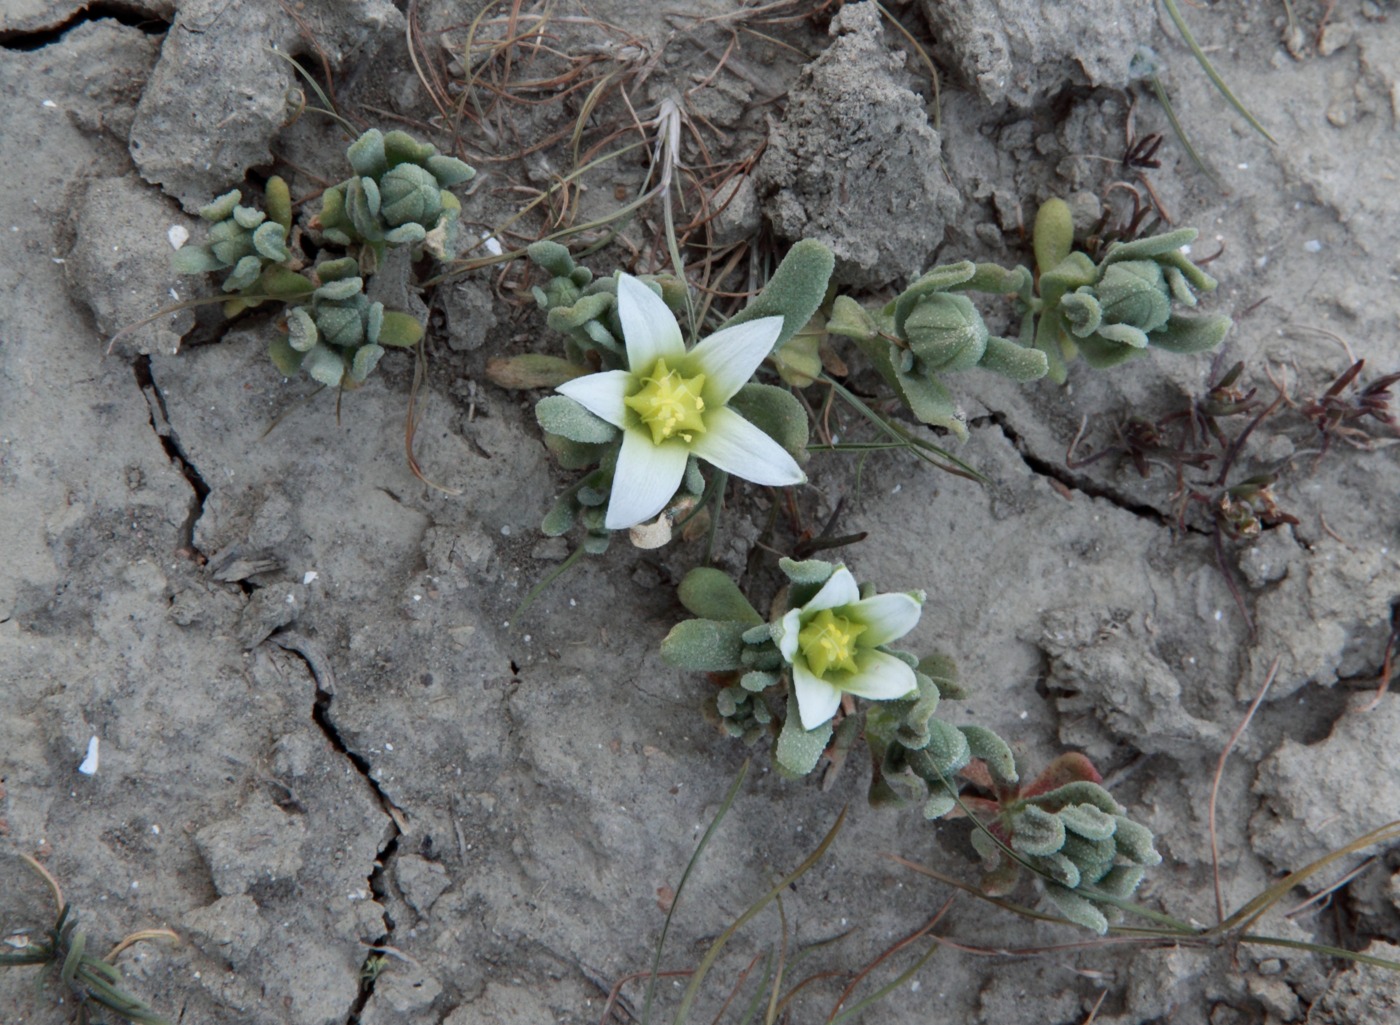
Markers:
<point>829,642</point>
<point>670,404</point>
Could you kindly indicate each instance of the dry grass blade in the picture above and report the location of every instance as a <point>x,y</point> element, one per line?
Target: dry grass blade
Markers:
<point>1174,13</point>
<point>724,807</point>
<point>1215,785</point>
<point>1256,908</point>
<point>716,948</point>
<point>887,953</point>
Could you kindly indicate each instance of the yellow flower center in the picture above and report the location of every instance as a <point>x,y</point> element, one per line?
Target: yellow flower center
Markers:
<point>829,642</point>
<point>670,404</point>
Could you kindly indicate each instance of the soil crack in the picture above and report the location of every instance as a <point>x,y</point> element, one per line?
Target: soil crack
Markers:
<point>170,441</point>
<point>1071,481</point>
<point>131,15</point>
<point>323,675</point>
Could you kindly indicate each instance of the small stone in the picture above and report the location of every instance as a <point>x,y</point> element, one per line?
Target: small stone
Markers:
<point>229,930</point>
<point>420,880</point>
<point>1336,35</point>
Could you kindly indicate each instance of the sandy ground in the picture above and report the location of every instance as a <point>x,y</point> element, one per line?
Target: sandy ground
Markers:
<point>321,726</point>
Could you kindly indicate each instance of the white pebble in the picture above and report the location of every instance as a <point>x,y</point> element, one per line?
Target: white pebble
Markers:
<point>89,766</point>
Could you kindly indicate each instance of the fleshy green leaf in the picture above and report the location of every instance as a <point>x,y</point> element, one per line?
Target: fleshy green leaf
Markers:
<point>1135,842</point>
<point>775,412</point>
<point>324,365</point>
<point>1185,333</point>
<point>945,753</point>
<point>1010,359</point>
<point>531,370</point>
<point>1087,821</point>
<point>755,681</point>
<point>813,571</point>
<point>994,752</point>
<point>560,518</point>
<point>341,290</point>
<point>799,750</point>
<point>243,274</point>
<point>1037,832</point>
<point>705,645</point>
<point>1053,235</point>
<point>1077,909</point>
<point>301,330</point>
<point>222,207</point>
<point>367,357</point>
<point>711,594</point>
<point>286,359</point>
<point>399,330</point>
<point>194,260</point>
<point>270,240</point>
<point>281,283</point>
<point>551,257</point>
<point>559,414</point>
<point>277,197</point>
<point>794,292</point>
<point>851,320</point>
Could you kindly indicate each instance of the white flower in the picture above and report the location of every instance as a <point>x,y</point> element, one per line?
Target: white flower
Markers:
<point>671,404</point>
<point>832,645</point>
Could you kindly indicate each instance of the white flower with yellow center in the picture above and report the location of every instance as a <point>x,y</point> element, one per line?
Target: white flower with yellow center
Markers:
<point>672,404</point>
<point>833,642</point>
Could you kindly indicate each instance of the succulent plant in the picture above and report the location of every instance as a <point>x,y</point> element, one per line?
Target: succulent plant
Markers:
<point>932,328</point>
<point>1064,826</point>
<point>1110,311</point>
<point>339,336</point>
<point>249,243</point>
<point>620,419</point>
<point>397,196</point>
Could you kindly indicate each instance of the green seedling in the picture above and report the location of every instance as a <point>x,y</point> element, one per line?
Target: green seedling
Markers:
<point>252,245</point>
<point>91,980</point>
<point>1064,826</point>
<point>397,196</point>
<point>339,336</point>
<point>932,328</point>
<point>1107,311</point>
<point>1113,310</point>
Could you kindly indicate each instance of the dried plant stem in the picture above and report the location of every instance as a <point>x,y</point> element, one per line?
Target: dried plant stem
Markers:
<point>1215,785</point>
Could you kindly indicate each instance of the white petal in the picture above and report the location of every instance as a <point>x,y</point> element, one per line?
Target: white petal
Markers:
<point>646,479</point>
<point>887,617</point>
<point>817,700</point>
<point>648,326</point>
<point>840,589</point>
<point>881,677</point>
<point>790,627</point>
<point>739,448</point>
<point>729,357</point>
<point>601,394</point>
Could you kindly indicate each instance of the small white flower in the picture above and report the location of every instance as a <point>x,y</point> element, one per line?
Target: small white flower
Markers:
<point>672,404</point>
<point>832,645</point>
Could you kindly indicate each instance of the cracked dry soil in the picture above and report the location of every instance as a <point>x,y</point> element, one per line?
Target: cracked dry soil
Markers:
<point>321,731</point>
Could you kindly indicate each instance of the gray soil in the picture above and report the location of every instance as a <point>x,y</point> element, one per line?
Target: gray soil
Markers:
<point>322,727</point>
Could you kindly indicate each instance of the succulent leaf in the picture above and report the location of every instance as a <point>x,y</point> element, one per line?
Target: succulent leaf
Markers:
<point>711,594</point>
<point>561,415</point>
<point>705,645</point>
<point>798,750</point>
